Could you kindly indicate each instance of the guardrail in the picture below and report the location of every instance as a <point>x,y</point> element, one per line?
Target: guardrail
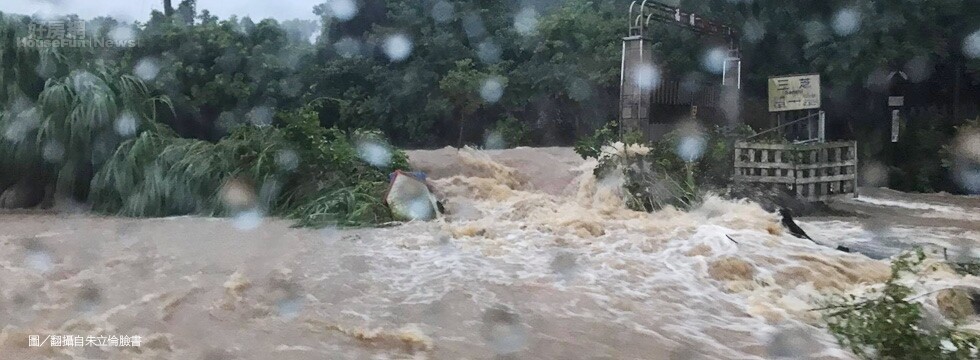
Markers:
<point>813,171</point>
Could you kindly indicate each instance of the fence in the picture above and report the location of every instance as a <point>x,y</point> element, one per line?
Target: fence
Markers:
<point>814,171</point>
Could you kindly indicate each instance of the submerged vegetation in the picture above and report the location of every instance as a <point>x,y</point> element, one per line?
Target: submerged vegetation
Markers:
<point>892,323</point>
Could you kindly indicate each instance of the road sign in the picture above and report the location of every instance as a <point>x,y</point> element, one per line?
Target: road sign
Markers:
<point>895,126</point>
<point>794,92</point>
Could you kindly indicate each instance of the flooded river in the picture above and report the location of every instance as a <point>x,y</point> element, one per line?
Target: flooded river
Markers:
<point>536,260</point>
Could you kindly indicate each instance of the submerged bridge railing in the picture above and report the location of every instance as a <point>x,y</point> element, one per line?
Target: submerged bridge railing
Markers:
<point>814,171</point>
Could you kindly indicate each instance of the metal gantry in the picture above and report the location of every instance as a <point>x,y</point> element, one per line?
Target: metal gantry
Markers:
<point>636,97</point>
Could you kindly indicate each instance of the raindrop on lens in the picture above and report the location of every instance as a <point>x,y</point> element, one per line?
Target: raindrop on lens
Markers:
<point>442,11</point>
<point>122,34</point>
<point>971,45</point>
<point>526,21</point>
<point>147,69</point>
<point>342,9</point>
<point>495,141</point>
<point>260,116</point>
<point>846,22</point>
<point>690,148</point>
<point>53,152</point>
<point>714,60</point>
<point>347,47</point>
<point>488,52</point>
<point>492,90</point>
<point>287,160</point>
<point>647,77</point>
<point>125,125</point>
<point>503,331</point>
<point>289,307</point>
<point>38,259</point>
<point>247,220</point>
<point>398,47</point>
<point>374,153</point>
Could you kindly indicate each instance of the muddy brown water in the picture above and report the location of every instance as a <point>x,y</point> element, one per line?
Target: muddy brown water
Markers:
<point>536,261</point>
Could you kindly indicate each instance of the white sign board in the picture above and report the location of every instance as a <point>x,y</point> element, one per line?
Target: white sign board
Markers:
<point>896,101</point>
<point>796,92</point>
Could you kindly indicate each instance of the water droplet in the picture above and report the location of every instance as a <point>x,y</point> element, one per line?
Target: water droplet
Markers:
<point>53,151</point>
<point>691,147</point>
<point>647,77</point>
<point>503,331</point>
<point>488,52</point>
<point>342,9</point>
<point>473,26</point>
<point>125,125</point>
<point>846,21</point>
<point>374,152</point>
<point>287,160</point>
<point>289,307</point>
<point>526,21</point>
<point>347,47</point>
<point>971,45</point>
<point>564,264</point>
<point>443,11</point>
<point>247,220</point>
<point>260,116</point>
<point>38,259</point>
<point>147,68</point>
<point>754,30</point>
<point>398,47</point>
<point>495,140</point>
<point>714,60</point>
<point>122,34</point>
<point>492,89</point>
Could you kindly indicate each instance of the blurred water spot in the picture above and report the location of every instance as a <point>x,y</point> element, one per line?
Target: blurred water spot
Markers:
<point>374,152</point>
<point>342,9</point>
<point>815,31</point>
<point>714,60</point>
<point>443,11</point>
<point>347,47</point>
<point>289,307</point>
<point>526,21</point>
<point>874,173</point>
<point>398,47</point>
<point>564,264</point>
<point>89,297</point>
<point>691,147</point>
<point>846,21</point>
<point>647,77</point>
<point>287,160</point>
<point>125,124</point>
<point>792,343</point>
<point>877,80</point>
<point>83,81</point>
<point>420,208</point>
<point>503,331</point>
<point>579,89</point>
<point>971,45</point>
<point>918,69</point>
<point>754,30</point>
<point>122,34</point>
<point>495,140</point>
<point>147,68</point>
<point>488,51</point>
<point>24,122</point>
<point>53,151</point>
<point>238,194</point>
<point>492,89</point>
<point>260,116</point>
<point>473,26</point>
<point>38,259</point>
<point>247,220</point>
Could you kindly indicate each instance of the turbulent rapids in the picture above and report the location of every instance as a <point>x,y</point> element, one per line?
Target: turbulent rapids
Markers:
<point>536,259</point>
